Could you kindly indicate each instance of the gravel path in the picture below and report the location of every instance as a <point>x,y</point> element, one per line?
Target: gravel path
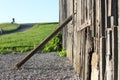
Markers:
<point>47,66</point>
<point>22,28</point>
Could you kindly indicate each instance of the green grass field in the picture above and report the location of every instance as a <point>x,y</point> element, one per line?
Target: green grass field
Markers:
<point>8,27</point>
<point>27,40</point>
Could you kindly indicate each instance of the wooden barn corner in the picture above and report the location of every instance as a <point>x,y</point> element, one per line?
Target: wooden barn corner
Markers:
<point>92,37</point>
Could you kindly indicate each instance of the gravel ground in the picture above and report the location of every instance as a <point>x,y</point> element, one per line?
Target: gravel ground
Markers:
<point>47,66</point>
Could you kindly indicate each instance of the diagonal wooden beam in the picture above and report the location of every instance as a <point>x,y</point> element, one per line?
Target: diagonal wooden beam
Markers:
<point>27,57</point>
<point>84,25</point>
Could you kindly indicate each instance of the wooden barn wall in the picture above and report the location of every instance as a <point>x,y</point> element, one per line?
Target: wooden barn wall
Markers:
<point>92,38</point>
<point>65,11</point>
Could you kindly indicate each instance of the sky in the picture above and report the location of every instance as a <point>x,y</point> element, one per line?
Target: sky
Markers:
<point>29,11</point>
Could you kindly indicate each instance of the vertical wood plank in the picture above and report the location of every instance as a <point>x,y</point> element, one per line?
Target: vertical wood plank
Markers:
<point>70,32</point>
<point>86,54</point>
<point>102,57</point>
<point>96,17</point>
<point>84,19</point>
<point>93,18</point>
<point>112,47</point>
<point>109,7</point>
<point>102,39</point>
<point>118,39</point>
<point>86,41</point>
<point>84,49</point>
<point>103,9</point>
<point>97,35</point>
<point>78,24</point>
<point>90,50</point>
<point>115,53</point>
<point>88,9</point>
<point>115,11</point>
<point>82,52</point>
<point>76,41</point>
<point>109,57</point>
<point>82,10</point>
<point>62,17</point>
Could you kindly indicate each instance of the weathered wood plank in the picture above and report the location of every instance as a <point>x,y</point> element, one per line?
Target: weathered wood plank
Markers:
<point>96,34</point>
<point>70,31</point>
<point>115,12</point>
<point>88,9</point>
<point>115,52</point>
<point>76,41</point>
<point>118,40</point>
<point>109,7</point>
<point>94,63</point>
<point>102,57</point>
<point>62,16</point>
<point>112,45</point>
<point>89,52</point>
<point>84,55</point>
<point>78,23</point>
<point>84,25</point>
<point>93,16</point>
<point>82,10</point>
<point>109,57</point>
<point>102,14</point>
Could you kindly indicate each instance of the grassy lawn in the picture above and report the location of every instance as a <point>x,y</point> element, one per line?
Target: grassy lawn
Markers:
<point>8,27</point>
<point>27,40</point>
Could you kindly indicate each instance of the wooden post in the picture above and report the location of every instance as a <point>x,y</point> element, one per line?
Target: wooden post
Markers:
<point>19,64</point>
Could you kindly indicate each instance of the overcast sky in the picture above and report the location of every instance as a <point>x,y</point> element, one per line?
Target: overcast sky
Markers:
<point>29,11</point>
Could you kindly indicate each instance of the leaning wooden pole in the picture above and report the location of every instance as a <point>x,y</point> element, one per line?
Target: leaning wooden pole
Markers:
<point>27,57</point>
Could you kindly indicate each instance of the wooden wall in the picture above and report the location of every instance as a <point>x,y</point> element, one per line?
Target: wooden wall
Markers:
<point>92,38</point>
